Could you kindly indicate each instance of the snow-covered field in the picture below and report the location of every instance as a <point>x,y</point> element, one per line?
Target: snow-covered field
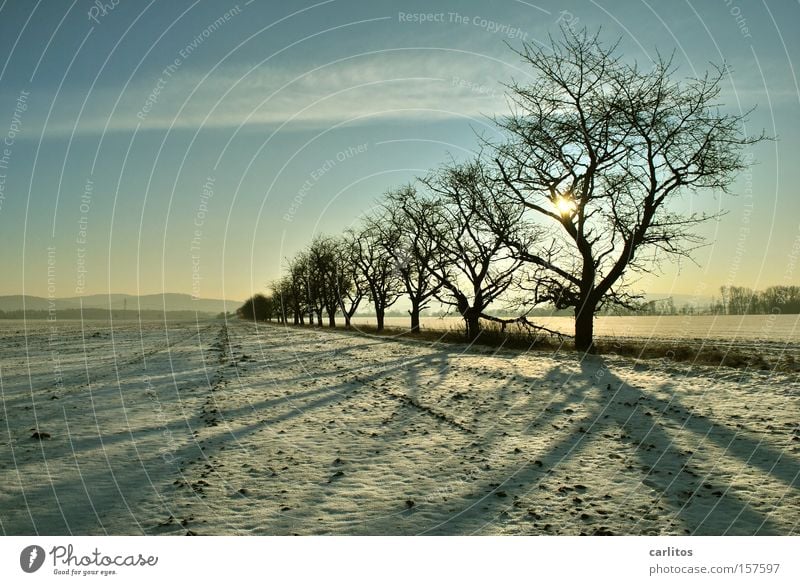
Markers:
<point>214,428</point>
<point>772,328</point>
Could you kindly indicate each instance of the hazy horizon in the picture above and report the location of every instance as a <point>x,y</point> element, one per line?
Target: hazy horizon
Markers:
<point>195,147</point>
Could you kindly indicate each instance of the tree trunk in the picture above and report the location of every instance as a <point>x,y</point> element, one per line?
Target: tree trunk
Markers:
<point>414,312</point>
<point>319,318</point>
<point>473,321</point>
<point>584,328</point>
<point>332,320</point>
<point>379,313</point>
<point>346,320</point>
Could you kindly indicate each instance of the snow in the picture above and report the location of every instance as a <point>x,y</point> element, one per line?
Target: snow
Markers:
<point>774,329</point>
<point>215,428</point>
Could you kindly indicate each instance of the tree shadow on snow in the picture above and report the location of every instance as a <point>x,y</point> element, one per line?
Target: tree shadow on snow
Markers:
<point>701,501</point>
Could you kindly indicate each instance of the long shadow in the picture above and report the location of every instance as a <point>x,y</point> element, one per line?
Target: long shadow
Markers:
<point>301,357</point>
<point>409,367</point>
<point>485,492</point>
<point>702,510</point>
<point>328,395</point>
<point>656,450</point>
<point>89,499</point>
<point>532,473</point>
<point>740,444</point>
<point>440,361</point>
<point>572,392</point>
<point>115,490</point>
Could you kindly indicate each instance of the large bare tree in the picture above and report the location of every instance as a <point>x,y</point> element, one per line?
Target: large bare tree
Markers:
<point>471,225</point>
<point>602,149</point>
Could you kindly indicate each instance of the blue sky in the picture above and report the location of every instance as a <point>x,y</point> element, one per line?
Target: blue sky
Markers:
<point>217,138</point>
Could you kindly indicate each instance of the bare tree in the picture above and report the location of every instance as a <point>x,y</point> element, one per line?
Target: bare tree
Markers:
<point>284,300</point>
<point>474,264</point>
<point>599,149</point>
<point>305,299</point>
<point>780,299</point>
<point>738,300</point>
<point>377,268</point>
<point>351,284</point>
<point>324,277</point>
<point>413,251</point>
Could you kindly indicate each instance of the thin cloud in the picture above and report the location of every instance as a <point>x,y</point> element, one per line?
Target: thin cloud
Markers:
<point>385,86</point>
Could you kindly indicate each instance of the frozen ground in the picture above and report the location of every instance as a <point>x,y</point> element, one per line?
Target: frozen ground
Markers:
<point>210,428</point>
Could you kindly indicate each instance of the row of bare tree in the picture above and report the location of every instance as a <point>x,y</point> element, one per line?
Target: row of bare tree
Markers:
<point>577,197</point>
<point>449,243</point>
<point>733,300</point>
<point>739,300</point>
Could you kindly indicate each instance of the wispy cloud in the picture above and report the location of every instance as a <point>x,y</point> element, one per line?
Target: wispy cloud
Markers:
<point>388,85</point>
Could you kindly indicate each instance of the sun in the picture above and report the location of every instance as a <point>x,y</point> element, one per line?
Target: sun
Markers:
<point>565,205</point>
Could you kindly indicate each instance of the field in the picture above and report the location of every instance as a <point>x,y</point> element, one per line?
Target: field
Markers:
<point>773,329</point>
<point>761,342</point>
<point>231,428</point>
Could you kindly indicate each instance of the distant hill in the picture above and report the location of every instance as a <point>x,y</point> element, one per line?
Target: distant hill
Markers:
<point>154,302</point>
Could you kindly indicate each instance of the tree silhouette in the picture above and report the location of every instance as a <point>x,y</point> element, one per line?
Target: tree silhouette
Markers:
<point>257,308</point>
<point>377,267</point>
<point>413,251</point>
<point>324,274</point>
<point>598,149</point>
<point>473,264</point>
<point>351,284</point>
